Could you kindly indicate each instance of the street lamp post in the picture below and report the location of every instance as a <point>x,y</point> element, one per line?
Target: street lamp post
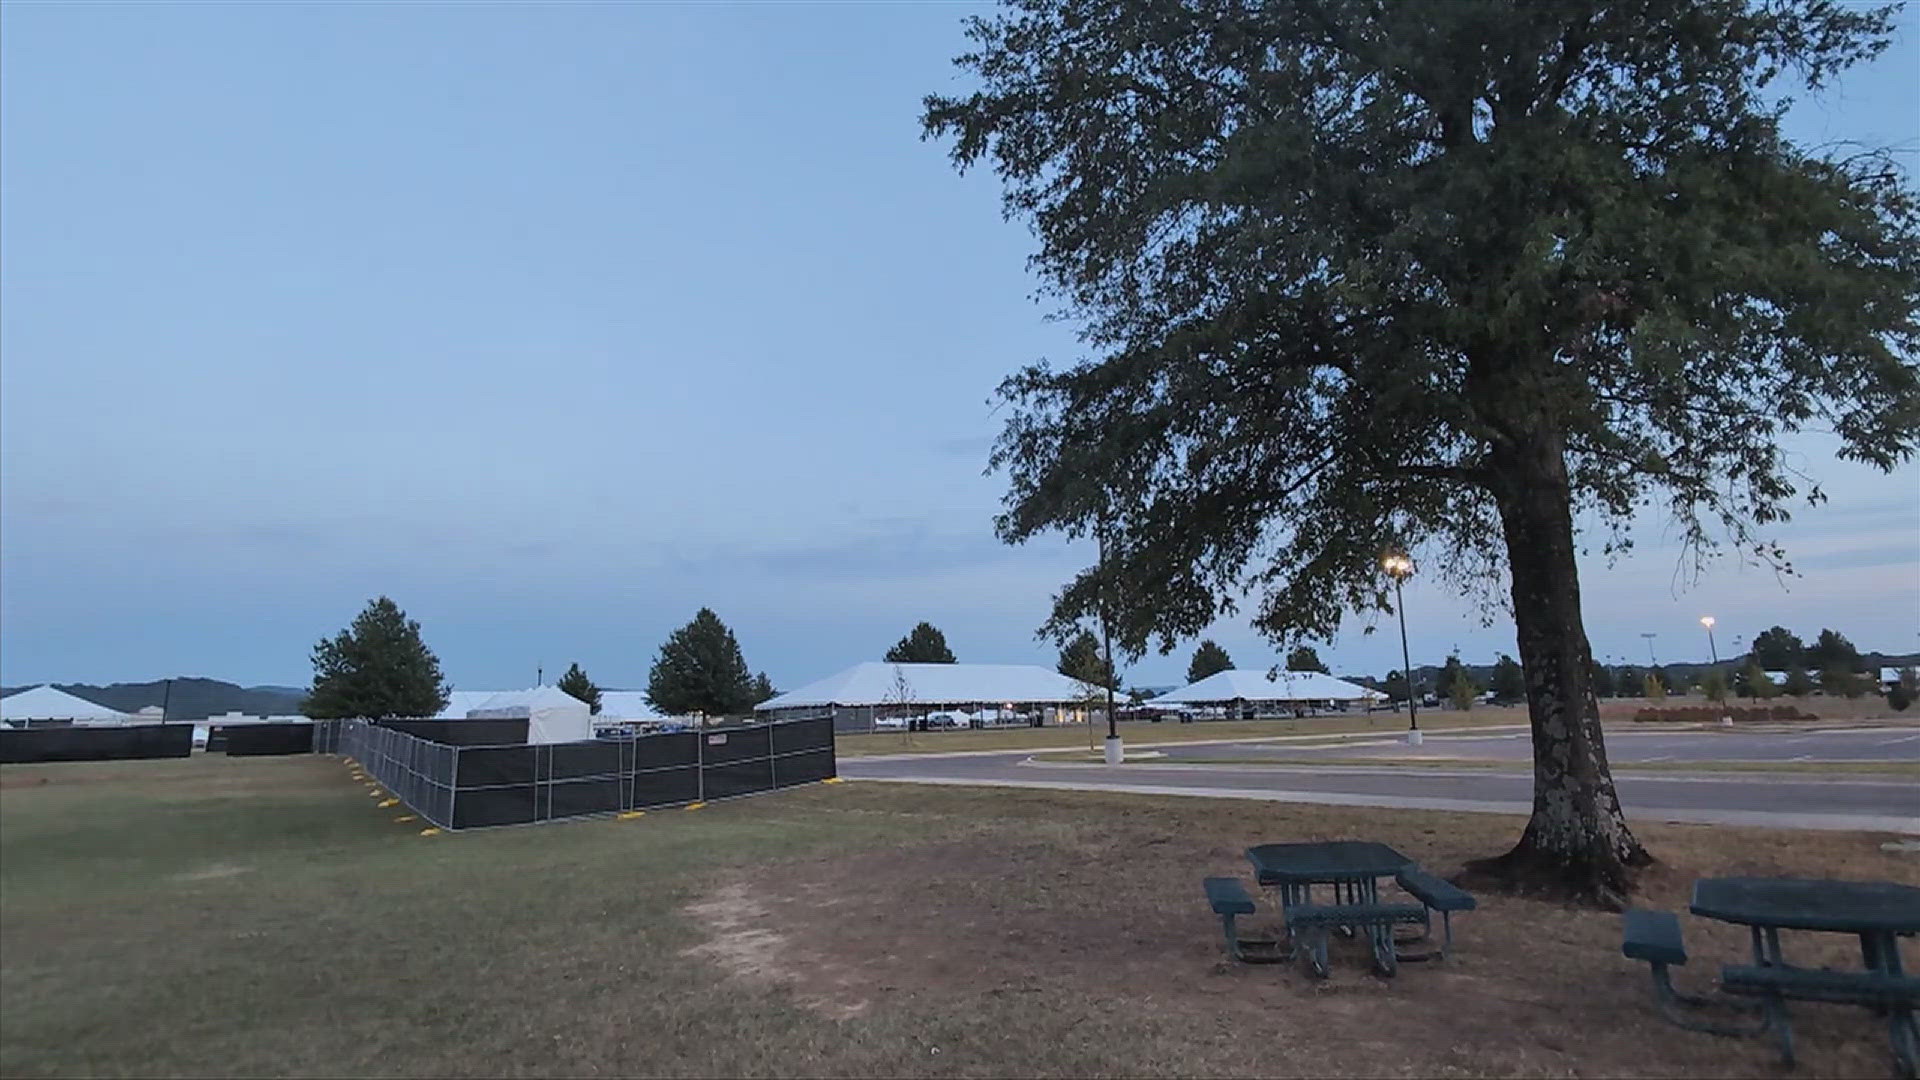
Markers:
<point>1399,566</point>
<point>1714,650</point>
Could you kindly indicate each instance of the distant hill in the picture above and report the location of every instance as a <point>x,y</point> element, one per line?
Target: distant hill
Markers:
<point>191,699</point>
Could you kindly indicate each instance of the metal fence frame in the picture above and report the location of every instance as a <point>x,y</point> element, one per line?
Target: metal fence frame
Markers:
<point>428,776</point>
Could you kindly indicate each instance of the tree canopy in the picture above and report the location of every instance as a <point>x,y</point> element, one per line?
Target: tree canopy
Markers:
<point>1312,341</point>
<point>1304,658</point>
<point>700,669</point>
<point>1777,649</point>
<point>1080,658</point>
<point>377,668</point>
<point>1831,650</point>
<point>1507,682</point>
<point>1602,681</point>
<point>924,644</point>
<point>576,683</point>
<point>1208,659</point>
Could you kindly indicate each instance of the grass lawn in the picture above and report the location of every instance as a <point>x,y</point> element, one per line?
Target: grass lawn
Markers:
<point>1143,733</point>
<point>262,916</point>
<point>1874,769</point>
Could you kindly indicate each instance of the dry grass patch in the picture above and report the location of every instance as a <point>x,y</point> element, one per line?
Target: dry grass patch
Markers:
<point>846,930</point>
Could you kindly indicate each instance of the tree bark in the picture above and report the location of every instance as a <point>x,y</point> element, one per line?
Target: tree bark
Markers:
<point>1577,845</point>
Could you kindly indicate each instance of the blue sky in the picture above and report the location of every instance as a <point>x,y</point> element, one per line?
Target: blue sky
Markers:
<point>558,322</point>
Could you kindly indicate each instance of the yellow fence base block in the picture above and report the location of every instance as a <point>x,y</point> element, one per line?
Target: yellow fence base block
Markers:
<point>430,831</point>
<point>834,780</point>
<point>384,803</point>
<point>405,817</point>
<point>631,814</point>
<point>376,793</point>
<point>695,805</point>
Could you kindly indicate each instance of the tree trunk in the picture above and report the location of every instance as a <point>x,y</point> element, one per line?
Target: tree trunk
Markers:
<point>1577,845</point>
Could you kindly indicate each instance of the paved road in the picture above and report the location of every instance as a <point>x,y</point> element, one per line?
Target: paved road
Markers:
<point>1778,799</point>
<point>1624,746</point>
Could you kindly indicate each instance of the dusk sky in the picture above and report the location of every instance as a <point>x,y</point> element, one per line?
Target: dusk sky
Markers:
<point>556,323</point>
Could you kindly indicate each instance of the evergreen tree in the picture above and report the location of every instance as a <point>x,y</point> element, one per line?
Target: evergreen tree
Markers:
<point>1508,682</point>
<point>1753,682</point>
<point>1461,691</point>
<point>1395,686</point>
<point>1655,690</point>
<point>1304,658</point>
<point>1797,684</point>
<point>375,669</point>
<point>1777,649</point>
<point>924,644</point>
<point>700,670</point>
<point>1208,659</point>
<point>1450,673</point>
<point>1838,680</point>
<point>1368,276</point>
<point>1833,650</point>
<point>1629,681</point>
<point>1080,658</point>
<point>1713,686</point>
<point>576,683</point>
<point>763,688</point>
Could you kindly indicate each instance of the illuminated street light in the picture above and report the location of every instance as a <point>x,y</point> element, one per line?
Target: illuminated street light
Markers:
<point>1399,567</point>
<point>1707,621</point>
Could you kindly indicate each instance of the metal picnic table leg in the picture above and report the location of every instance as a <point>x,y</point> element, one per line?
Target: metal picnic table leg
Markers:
<point>1881,952</point>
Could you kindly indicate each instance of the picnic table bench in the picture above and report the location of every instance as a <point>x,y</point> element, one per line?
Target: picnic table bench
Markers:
<point>1352,870</point>
<point>1878,912</point>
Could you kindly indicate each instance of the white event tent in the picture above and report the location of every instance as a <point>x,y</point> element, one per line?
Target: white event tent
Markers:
<point>856,696</point>
<point>47,703</point>
<point>552,714</point>
<point>1291,688</point>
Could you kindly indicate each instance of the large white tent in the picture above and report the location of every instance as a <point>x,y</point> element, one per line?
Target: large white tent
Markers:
<point>626,705</point>
<point>1253,685</point>
<point>856,697</point>
<point>880,683</point>
<point>462,702</point>
<point>552,714</point>
<point>47,703</point>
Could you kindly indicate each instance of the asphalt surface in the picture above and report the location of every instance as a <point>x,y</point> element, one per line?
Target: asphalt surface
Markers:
<point>1624,746</point>
<point>1781,799</point>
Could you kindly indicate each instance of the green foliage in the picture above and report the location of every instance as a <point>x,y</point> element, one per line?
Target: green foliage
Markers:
<point>1839,680</point>
<point>1753,682</point>
<point>1777,649</point>
<point>1449,673</point>
<point>1080,658</point>
<point>1910,679</point>
<point>1797,684</point>
<point>576,683</point>
<point>1899,696</point>
<point>1208,659</point>
<point>377,668</point>
<point>1304,321</point>
<point>1713,686</point>
<point>699,669</point>
<point>1508,682</point>
<point>1602,681</point>
<point>1653,689</point>
<point>1833,650</point>
<point>1461,692</point>
<point>1628,681</point>
<point>1396,686</point>
<point>924,644</point>
<point>1304,658</point>
<point>763,690</point>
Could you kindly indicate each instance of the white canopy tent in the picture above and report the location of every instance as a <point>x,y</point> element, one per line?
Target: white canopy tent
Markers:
<point>552,714</point>
<point>462,702</point>
<point>1248,684</point>
<point>880,683</point>
<point>47,703</point>
<point>626,705</point>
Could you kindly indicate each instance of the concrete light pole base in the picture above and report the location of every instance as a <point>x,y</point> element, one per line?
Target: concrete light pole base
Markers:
<point>1113,749</point>
<point>1415,737</point>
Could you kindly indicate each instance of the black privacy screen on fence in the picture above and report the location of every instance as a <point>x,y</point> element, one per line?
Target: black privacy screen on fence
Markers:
<point>463,732</point>
<point>468,787</point>
<point>96,743</point>
<point>253,740</point>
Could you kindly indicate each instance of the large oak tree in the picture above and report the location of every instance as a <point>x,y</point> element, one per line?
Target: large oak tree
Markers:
<point>1358,276</point>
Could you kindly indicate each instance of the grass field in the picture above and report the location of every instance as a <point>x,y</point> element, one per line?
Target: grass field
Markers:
<point>263,917</point>
<point>1142,733</point>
